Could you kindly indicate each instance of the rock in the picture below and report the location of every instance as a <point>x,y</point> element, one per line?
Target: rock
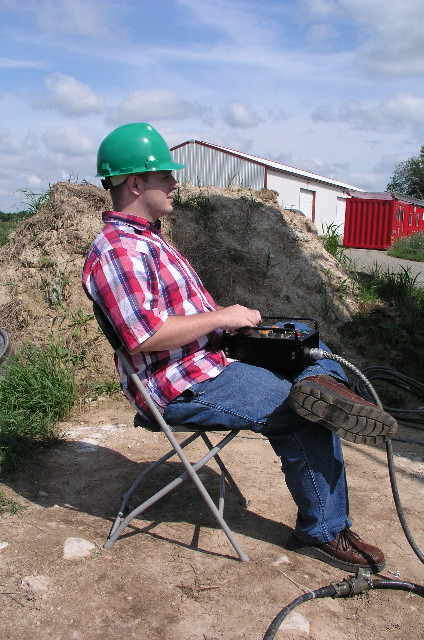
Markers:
<point>283,559</point>
<point>76,548</point>
<point>37,584</point>
<point>296,624</point>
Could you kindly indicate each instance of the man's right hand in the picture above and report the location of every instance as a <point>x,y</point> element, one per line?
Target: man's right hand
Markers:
<point>237,316</point>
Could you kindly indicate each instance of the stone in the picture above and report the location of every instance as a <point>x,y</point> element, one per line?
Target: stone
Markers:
<point>77,548</point>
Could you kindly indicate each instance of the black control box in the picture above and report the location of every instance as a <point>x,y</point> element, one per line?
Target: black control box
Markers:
<point>282,346</point>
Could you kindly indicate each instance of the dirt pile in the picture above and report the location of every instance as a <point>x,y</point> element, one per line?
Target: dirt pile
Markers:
<point>245,247</point>
<point>173,576</point>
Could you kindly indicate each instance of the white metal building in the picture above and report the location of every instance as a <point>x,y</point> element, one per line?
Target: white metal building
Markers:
<point>322,199</point>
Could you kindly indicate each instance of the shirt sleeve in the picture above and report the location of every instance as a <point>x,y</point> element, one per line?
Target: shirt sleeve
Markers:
<point>126,286</point>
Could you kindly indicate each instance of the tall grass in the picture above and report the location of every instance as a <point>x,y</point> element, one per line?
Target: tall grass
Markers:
<point>409,248</point>
<point>397,288</point>
<point>37,390</point>
<point>389,331</point>
<point>331,241</point>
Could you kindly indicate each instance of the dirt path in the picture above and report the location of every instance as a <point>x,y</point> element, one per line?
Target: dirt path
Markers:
<point>167,578</point>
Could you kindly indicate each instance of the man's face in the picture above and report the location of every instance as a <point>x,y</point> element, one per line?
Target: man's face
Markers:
<point>156,193</point>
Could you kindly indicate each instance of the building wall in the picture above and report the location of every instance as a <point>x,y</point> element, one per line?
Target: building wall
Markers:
<point>329,202</point>
<point>324,204</point>
<point>208,166</point>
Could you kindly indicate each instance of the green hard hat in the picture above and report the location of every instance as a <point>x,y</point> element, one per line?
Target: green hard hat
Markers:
<point>134,148</point>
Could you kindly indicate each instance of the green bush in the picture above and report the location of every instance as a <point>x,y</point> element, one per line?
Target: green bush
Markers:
<point>38,389</point>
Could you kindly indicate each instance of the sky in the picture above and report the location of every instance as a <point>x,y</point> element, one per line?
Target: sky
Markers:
<point>335,87</point>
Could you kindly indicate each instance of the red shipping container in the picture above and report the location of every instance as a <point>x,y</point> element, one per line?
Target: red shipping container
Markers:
<point>376,220</point>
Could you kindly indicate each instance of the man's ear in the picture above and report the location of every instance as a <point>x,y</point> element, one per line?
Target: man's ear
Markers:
<point>134,184</point>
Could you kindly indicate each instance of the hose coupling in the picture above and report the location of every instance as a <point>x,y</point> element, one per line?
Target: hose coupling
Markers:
<point>354,585</point>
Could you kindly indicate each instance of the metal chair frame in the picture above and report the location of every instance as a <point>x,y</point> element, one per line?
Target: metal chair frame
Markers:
<point>191,470</point>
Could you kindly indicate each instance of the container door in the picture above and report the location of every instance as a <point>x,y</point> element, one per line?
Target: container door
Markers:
<point>399,222</point>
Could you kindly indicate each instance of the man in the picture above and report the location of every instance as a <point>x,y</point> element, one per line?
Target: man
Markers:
<point>172,328</point>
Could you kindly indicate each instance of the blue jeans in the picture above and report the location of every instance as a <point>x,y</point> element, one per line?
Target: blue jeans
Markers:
<point>247,397</point>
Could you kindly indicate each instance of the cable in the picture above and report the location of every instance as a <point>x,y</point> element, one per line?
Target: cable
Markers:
<point>344,589</point>
<point>368,393</point>
<point>412,418</point>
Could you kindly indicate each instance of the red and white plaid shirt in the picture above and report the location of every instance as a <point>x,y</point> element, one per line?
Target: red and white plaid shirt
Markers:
<point>139,280</point>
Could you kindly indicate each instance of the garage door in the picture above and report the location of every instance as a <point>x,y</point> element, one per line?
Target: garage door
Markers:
<point>307,203</point>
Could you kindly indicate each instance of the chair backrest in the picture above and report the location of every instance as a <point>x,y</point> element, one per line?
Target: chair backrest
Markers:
<point>120,351</point>
<point>107,328</point>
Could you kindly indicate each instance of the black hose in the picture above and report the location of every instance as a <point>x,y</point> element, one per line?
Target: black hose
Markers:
<point>343,589</point>
<point>323,592</point>
<point>365,389</point>
<point>368,393</point>
<point>399,585</point>
<point>398,504</point>
<point>412,418</point>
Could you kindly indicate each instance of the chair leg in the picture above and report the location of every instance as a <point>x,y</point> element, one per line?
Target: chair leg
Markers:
<point>191,471</point>
<point>226,474</point>
<point>142,476</point>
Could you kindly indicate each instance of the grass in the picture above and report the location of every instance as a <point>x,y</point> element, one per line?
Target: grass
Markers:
<point>409,248</point>
<point>38,389</point>
<point>9,506</point>
<point>331,242</point>
<point>389,329</point>
<point>198,201</point>
<point>9,222</point>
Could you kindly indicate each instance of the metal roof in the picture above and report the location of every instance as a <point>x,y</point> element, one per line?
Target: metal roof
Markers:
<point>270,164</point>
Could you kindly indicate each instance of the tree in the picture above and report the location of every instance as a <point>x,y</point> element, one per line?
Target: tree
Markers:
<point>408,177</point>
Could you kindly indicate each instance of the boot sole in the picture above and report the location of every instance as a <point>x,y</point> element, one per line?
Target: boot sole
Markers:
<point>362,424</point>
<point>319,554</point>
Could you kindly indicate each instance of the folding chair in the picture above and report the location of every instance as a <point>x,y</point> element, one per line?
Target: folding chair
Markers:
<point>191,470</point>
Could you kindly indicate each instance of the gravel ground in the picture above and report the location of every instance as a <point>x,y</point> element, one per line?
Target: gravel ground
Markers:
<point>366,258</point>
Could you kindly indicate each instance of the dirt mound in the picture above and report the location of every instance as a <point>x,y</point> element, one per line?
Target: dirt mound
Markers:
<point>245,247</point>
<point>173,576</point>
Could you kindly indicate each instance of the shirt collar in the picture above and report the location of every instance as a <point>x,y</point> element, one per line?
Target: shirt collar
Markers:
<point>138,223</point>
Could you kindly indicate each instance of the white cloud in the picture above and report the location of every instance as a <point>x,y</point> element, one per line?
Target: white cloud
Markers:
<point>69,96</point>
<point>401,111</point>
<point>156,104</point>
<point>9,145</point>
<point>73,16</point>
<point>68,140</point>
<point>240,115</point>
<point>13,63</point>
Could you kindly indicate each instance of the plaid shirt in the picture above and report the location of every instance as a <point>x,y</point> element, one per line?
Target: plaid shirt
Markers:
<point>139,280</point>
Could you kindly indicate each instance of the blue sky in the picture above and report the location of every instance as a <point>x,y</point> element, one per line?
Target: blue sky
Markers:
<point>330,86</point>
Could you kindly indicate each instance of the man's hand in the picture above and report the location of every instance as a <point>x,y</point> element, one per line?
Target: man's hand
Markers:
<point>236,317</point>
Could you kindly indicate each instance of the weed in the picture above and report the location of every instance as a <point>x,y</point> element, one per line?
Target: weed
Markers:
<point>198,202</point>
<point>394,287</point>
<point>331,242</point>
<point>9,506</point>
<point>79,321</point>
<point>9,222</point>
<point>108,388</point>
<point>389,329</point>
<point>230,180</point>
<point>410,248</point>
<point>269,264</point>
<point>54,289</point>
<point>327,302</point>
<point>34,200</point>
<point>37,390</point>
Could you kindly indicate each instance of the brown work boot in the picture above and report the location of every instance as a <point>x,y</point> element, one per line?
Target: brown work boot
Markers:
<point>330,403</point>
<point>347,552</point>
